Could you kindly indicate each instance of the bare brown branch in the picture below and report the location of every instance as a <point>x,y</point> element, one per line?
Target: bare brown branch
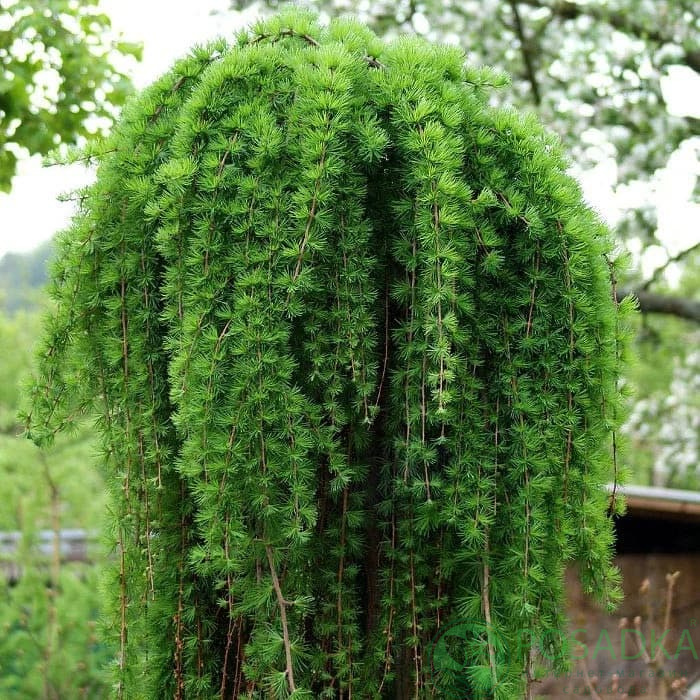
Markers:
<point>673,259</point>
<point>526,51</point>
<point>651,303</point>
<point>283,618</point>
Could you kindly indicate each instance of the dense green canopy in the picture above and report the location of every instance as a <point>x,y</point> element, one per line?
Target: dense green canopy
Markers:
<point>354,346</point>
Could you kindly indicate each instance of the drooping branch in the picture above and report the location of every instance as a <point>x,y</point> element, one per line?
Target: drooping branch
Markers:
<point>282,603</point>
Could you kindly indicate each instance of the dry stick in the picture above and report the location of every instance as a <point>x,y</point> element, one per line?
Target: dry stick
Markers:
<point>200,643</point>
<point>533,291</point>
<point>587,679</point>
<point>363,362</point>
<point>125,363</point>
<point>126,487</point>
<point>162,105</point>
<point>224,332</point>
<point>74,197</point>
<point>372,62</point>
<point>386,347</point>
<point>190,352</point>
<point>85,158</point>
<point>229,641</point>
<point>341,566</point>
<point>52,349</point>
<point>200,321</point>
<point>323,490</point>
<point>522,423</point>
<point>638,626</point>
<point>671,583</point>
<point>227,461</point>
<point>229,632</point>
<point>530,677</point>
<point>284,33</point>
<point>408,435</point>
<point>441,378</point>
<point>438,591</point>
<point>282,603</point>
<point>177,618</point>
<point>209,394</point>
<point>122,578</point>
<point>222,163</point>
<point>239,660</point>
<point>333,426</point>
<point>296,469</point>
<point>514,385</point>
<point>268,550</point>
<point>438,268</point>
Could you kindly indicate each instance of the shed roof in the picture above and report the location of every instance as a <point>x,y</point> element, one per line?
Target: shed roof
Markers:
<point>658,502</point>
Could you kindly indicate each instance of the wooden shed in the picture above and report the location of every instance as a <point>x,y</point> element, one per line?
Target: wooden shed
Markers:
<point>651,647</point>
<point>658,536</point>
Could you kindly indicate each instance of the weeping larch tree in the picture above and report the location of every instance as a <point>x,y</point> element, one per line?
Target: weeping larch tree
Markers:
<point>353,342</point>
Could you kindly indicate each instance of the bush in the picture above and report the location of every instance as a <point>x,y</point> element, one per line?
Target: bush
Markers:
<point>354,344</point>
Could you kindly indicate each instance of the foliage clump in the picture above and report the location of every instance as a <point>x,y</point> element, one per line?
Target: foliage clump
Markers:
<point>354,347</point>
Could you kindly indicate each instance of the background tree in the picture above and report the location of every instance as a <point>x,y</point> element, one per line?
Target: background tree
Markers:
<point>50,641</point>
<point>664,424</point>
<point>60,79</point>
<point>355,348</point>
<point>23,278</point>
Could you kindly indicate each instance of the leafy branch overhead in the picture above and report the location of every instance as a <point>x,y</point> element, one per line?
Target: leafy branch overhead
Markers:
<point>352,339</point>
<point>664,30</point>
<point>59,76</point>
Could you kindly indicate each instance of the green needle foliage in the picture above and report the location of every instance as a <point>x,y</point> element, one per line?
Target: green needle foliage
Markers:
<point>354,346</point>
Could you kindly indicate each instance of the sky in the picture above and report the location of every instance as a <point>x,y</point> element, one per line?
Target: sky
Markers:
<point>31,213</point>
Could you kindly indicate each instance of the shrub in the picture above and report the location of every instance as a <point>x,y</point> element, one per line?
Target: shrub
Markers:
<point>354,346</point>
